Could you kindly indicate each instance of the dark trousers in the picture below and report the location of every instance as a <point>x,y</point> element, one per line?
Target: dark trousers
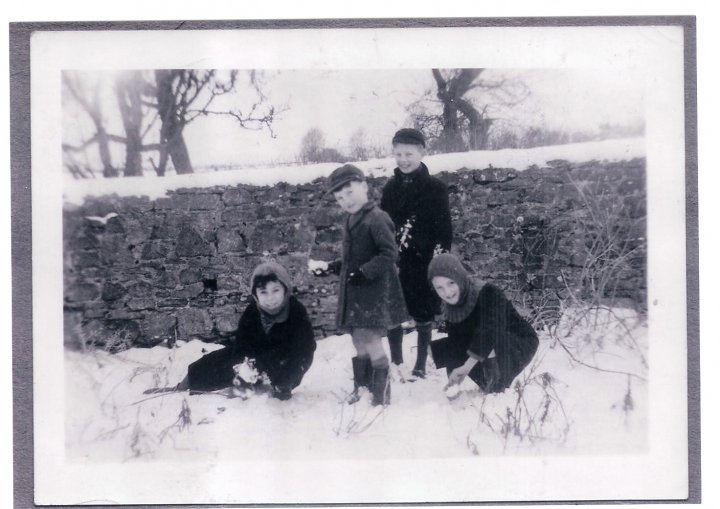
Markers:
<point>215,371</point>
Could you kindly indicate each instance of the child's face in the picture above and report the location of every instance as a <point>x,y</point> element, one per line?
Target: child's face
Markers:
<point>447,289</point>
<point>408,156</point>
<point>352,197</point>
<point>271,296</point>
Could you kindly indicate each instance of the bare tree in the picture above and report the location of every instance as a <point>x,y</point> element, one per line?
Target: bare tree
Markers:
<point>173,97</point>
<point>184,95</point>
<point>312,145</point>
<point>88,97</point>
<point>466,104</point>
<point>129,93</point>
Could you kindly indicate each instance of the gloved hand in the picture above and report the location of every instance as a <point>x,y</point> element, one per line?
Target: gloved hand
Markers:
<point>357,278</point>
<point>491,373</point>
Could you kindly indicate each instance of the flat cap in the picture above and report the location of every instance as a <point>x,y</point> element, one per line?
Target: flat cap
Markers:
<point>341,176</point>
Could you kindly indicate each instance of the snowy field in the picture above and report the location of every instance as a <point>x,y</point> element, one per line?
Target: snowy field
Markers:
<point>585,393</point>
<point>75,191</point>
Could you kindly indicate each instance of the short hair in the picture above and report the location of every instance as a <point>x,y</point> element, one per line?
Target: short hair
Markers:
<point>261,281</point>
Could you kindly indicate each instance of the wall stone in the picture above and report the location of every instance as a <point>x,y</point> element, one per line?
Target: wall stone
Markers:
<point>178,267</point>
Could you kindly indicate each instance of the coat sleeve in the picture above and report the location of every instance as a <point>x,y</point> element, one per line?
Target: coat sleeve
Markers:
<point>385,201</point>
<point>491,328</point>
<point>303,337</point>
<point>301,348</point>
<point>243,346</point>
<point>383,235</point>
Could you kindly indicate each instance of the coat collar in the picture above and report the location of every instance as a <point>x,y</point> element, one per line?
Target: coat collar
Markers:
<point>354,219</point>
<point>422,173</point>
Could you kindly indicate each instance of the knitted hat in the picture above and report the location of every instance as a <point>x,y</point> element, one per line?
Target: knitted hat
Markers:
<point>409,136</point>
<point>270,317</point>
<point>447,265</point>
<point>268,268</point>
<point>341,176</point>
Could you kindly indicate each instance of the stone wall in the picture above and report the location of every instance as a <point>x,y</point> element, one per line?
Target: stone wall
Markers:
<point>141,271</point>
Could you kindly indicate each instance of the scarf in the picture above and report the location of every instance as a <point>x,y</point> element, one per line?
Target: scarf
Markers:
<point>447,265</point>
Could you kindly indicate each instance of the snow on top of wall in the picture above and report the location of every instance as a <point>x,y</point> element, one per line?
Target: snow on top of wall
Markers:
<point>76,191</point>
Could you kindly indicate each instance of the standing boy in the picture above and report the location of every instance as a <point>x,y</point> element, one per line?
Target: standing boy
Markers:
<point>370,299</point>
<point>418,205</point>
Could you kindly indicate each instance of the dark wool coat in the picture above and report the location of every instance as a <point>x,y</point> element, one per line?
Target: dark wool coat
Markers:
<point>421,216</point>
<point>284,353</point>
<point>493,324</point>
<point>369,245</point>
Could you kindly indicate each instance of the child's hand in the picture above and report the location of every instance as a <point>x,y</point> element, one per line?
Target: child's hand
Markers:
<point>458,375</point>
<point>357,278</point>
<point>318,267</point>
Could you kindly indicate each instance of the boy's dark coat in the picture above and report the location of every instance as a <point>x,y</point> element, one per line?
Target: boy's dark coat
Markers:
<point>369,244</point>
<point>285,352</point>
<point>424,203</point>
<point>493,324</point>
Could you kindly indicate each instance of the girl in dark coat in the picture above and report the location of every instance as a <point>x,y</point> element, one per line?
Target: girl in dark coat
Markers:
<point>275,335</point>
<point>487,338</point>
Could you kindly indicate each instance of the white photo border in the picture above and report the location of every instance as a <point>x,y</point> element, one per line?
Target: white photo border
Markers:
<point>662,474</point>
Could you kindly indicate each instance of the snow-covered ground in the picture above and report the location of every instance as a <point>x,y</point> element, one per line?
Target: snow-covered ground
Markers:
<point>75,191</point>
<point>585,393</point>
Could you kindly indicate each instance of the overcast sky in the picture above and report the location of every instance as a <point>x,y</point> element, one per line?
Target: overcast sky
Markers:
<point>340,102</point>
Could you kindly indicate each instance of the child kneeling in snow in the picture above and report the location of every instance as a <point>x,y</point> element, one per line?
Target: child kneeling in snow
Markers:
<point>274,341</point>
<point>487,338</point>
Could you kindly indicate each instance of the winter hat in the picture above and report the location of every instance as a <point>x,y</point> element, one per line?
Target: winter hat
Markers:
<point>447,265</point>
<point>409,136</point>
<point>341,176</point>
<point>266,269</point>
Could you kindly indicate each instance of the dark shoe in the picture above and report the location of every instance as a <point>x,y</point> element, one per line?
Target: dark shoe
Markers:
<point>418,373</point>
<point>281,393</point>
<point>380,386</point>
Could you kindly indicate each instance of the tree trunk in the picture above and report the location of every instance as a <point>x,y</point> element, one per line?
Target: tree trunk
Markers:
<point>178,151</point>
<point>104,149</point>
<point>127,91</point>
<point>171,137</point>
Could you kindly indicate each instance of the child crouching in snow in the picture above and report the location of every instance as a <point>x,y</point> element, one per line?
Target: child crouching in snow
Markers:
<point>370,299</point>
<point>487,338</point>
<point>275,337</point>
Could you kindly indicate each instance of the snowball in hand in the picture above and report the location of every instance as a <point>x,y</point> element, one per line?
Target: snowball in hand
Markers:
<point>246,372</point>
<point>317,266</point>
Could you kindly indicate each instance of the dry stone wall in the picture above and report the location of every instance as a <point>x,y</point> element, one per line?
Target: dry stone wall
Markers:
<point>142,272</point>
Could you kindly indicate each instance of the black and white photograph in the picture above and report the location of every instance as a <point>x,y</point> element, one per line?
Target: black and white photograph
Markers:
<point>360,264</point>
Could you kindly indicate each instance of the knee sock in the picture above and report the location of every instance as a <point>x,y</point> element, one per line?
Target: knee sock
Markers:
<point>395,339</point>
<point>424,333</point>
<point>380,362</point>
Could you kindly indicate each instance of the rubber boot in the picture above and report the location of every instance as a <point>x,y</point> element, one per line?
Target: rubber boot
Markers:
<point>395,340</point>
<point>362,371</point>
<point>380,386</point>
<point>424,333</point>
